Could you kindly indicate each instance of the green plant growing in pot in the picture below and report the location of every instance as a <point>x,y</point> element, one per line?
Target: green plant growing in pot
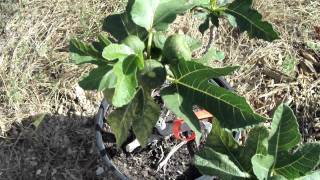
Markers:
<point>138,57</point>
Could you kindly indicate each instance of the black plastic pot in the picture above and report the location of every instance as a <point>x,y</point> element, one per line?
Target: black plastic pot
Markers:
<point>192,172</point>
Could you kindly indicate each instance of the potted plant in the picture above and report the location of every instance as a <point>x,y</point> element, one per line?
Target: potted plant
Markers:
<point>137,57</point>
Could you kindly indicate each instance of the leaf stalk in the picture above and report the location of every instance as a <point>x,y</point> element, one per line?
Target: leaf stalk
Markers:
<point>150,36</point>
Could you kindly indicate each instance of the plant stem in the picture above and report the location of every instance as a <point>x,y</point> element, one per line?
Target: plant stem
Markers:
<point>149,44</point>
<point>170,79</point>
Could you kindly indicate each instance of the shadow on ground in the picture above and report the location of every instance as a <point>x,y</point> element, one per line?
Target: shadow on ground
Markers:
<point>60,147</point>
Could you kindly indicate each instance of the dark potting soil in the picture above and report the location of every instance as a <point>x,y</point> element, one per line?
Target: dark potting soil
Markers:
<point>143,163</point>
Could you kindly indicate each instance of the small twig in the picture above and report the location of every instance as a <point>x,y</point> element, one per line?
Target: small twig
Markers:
<point>162,154</point>
<point>164,163</point>
<point>211,37</point>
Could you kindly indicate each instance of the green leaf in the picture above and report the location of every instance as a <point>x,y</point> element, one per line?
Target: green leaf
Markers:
<point>153,75</point>
<point>191,87</point>
<point>121,25</point>
<point>256,143</point>
<point>250,20</point>
<point>104,40</point>
<point>135,43</point>
<point>311,176</point>
<point>192,42</point>
<point>223,2</point>
<point>121,119</point>
<point>108,81</point>
<point>98,79</point>
<point>116,51</point>
<point>147,116</point>
<point>304,160</point>
<point>212,54</point>
<point>159,38</point>
<point>289,65</point>
<point>141,114</point>
<point>262,165</point>
<point>125,71</point>
<point>137,46</point>
<point>210,162</point>
<point>81,53</point>
<point>222,141</point>
<point>143,12</point>
<point>129,65</point>
<point>232,20</point>
<point>284,133</point>
<point>158,14</point>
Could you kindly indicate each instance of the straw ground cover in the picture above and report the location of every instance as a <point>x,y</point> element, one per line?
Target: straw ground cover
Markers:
<point>37,78</point>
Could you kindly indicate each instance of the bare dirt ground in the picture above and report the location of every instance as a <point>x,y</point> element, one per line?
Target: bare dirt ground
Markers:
<point>37,79</point>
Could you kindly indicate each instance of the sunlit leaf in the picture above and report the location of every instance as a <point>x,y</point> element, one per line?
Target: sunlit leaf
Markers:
<point>191,87</point>
<point>116,51</point>
<point>262,165</point>
<point>158,14</point>
<point>284,134</point>
<point>125,71</point>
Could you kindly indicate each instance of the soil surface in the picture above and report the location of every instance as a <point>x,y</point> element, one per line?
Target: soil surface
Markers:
<point>142,163</point>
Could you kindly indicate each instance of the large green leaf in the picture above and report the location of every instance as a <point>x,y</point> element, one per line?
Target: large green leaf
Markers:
<point>117,51</point>
<point>304,160</point>
<point>262,165</point>
<point>250,20</point>
<point>81,53</point>
<point>126,73</point>
<point>191,87</point>
<point>141,114</point>
<point>222,141</point>
<point>147,115</point>
<point>120,121</point>
<point>256,143</point>
<point>143,12</point>
<point>158,14</point>
<point>284,133</point>
<point>213,163</point>
<point>99,79</point>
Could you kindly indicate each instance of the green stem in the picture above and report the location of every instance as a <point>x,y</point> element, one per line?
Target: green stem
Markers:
<point>170,79</point>
<point>149,44</point>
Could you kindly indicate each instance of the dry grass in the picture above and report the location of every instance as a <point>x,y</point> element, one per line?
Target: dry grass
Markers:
<point>36,76</point>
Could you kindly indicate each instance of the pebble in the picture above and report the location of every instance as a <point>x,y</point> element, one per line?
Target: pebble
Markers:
<point>38,172</point>
<point>99,171</point>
